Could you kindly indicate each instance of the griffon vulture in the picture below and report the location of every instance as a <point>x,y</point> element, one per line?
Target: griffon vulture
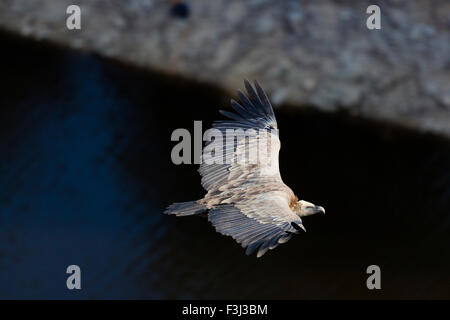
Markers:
<point>248,200</point>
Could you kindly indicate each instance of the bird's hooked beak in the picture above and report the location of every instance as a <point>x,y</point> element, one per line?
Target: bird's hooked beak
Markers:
<point>320,209</point>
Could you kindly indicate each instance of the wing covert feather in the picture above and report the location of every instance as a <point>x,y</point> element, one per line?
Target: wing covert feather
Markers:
<point>262,223</point>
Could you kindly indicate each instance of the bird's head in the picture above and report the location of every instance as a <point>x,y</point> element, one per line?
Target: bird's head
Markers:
<point>306,208</point>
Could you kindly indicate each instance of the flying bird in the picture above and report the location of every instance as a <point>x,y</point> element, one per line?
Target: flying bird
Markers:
<point>249,201</point>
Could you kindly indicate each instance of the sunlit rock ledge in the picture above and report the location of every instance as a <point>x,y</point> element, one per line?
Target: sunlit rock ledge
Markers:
<point>305,53</point>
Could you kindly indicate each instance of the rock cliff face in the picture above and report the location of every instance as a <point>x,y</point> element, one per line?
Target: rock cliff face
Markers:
<point>306,53</point>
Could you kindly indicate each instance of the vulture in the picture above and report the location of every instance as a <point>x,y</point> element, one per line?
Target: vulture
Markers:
<point>245,199</point>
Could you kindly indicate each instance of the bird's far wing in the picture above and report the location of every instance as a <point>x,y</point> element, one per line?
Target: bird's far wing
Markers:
<point>262,222</point>
<point>254,127</point>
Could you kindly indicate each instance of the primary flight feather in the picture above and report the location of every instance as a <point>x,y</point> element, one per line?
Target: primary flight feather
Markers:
<point>246,199</point>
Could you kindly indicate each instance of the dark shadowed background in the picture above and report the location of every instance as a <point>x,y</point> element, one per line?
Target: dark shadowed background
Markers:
<point>85,174</point>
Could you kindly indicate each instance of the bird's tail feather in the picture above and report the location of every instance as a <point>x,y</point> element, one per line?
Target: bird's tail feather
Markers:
<point>189,208</point>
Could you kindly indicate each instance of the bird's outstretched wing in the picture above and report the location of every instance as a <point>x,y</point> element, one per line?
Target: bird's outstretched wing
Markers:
<point>255,116</point>
<point>249,201</point>
<point>262,222</point>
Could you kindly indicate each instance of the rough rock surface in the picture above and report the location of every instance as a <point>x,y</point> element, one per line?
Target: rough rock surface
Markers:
<point>305,53</point>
